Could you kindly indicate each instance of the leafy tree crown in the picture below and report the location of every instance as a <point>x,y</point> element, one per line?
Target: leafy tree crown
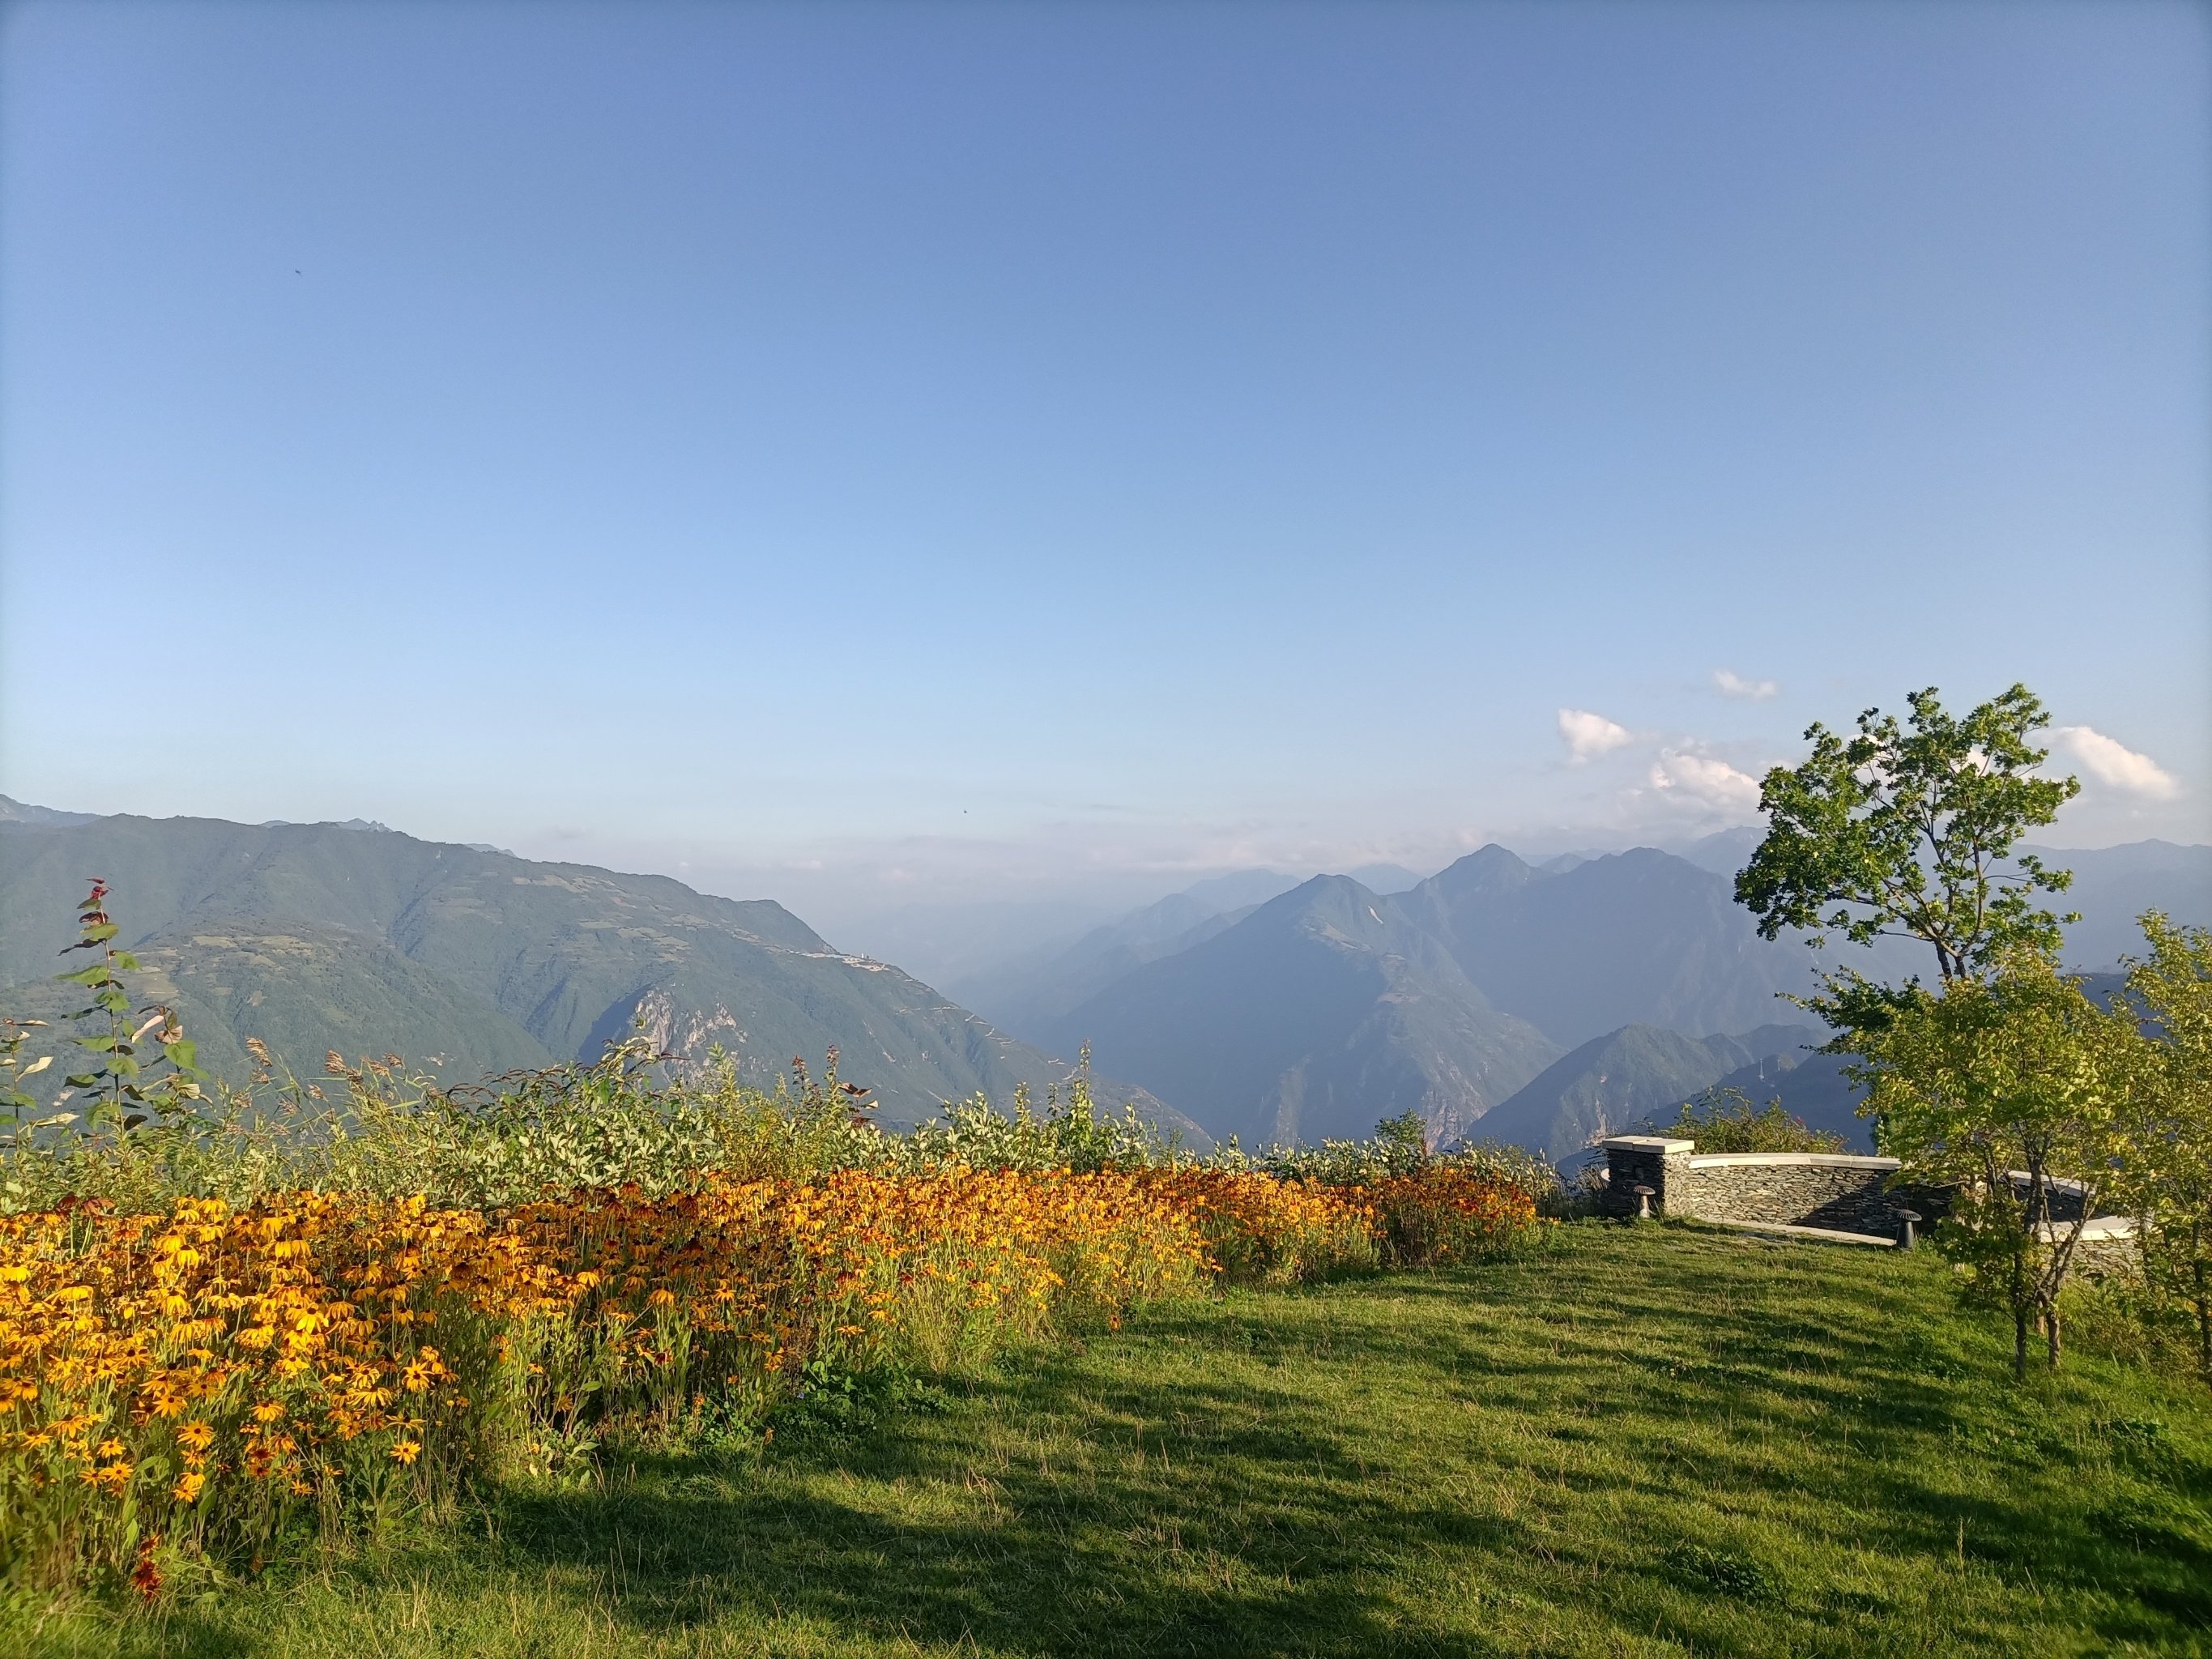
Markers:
<point>1907,830</point>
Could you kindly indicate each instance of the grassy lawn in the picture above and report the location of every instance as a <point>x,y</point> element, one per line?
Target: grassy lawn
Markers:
<point>1655,1440</point>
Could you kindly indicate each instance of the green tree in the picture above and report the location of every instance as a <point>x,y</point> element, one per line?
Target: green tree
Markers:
<point>2015,1090</point>
<point>1908,830</point>
<point>2169,1154</point>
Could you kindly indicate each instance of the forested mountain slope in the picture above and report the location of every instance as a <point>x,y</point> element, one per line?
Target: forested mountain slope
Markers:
<point>312,936</point>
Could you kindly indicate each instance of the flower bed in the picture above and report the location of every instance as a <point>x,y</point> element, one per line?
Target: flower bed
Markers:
<point>210,1381</point>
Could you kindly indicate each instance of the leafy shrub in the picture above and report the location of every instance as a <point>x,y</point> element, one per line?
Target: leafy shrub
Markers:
<point>1725,1120</point>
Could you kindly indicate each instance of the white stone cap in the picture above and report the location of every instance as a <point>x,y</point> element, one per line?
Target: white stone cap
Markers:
<point>1659,1144</point>
<point>1827,1235</point>
<point>2103,1226</point>
<point>1768,1160</point>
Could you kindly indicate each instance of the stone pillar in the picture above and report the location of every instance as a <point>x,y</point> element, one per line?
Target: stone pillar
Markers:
<point>1633,1161</point>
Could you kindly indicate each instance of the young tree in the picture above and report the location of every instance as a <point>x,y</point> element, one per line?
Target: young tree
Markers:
<point>1909,831</point>
<point>2015,1088</point>
<point>2169,1154</point>
<point>123,1095</point>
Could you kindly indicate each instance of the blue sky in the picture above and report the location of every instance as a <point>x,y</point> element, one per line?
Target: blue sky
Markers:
<point>864,453</point>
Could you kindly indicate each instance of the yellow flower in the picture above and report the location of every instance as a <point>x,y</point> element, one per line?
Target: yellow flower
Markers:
<point>406,1451</point>
<point>189,1486</point>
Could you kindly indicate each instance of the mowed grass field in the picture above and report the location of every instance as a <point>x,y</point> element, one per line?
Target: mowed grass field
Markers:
<point>1624,1441</point>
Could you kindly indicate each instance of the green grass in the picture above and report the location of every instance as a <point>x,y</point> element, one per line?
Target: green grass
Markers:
<point>1655,1440</point>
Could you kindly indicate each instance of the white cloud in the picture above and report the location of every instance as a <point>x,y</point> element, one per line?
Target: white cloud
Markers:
<point>1733,684</point>
<point>2110,762</point>
<point>1588,734</point>
<point>1711,784</point>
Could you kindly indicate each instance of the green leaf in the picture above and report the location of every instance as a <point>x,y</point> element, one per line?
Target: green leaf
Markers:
<point>126,962</point>
<point>83,1079</point>
<point>100,932</point>
<point>90,977</point>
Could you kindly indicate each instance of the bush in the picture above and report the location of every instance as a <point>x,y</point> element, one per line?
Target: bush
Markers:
<point>1725,1120</point>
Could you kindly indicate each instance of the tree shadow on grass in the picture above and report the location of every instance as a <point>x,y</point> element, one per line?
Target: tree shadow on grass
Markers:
<point>1273,1549</point>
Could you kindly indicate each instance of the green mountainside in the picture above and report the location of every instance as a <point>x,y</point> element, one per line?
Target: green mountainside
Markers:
<point>304,988</point>
<point>319,936</point>
<point>1612,1084</point>
<point>1315,1016</point>
<point>1634,938</point>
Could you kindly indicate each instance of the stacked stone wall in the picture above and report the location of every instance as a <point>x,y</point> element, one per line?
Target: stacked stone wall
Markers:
<point>1834,1191</point>
<point>1793,1190</point>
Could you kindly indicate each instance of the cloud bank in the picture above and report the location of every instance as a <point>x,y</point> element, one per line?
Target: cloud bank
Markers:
<point>1588,735</point>
<point>2112,763</point>
<point>1701,780</point>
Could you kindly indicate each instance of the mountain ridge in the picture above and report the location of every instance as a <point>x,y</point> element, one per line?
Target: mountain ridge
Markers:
<point>1314,1016</point>
<point>566,955</point>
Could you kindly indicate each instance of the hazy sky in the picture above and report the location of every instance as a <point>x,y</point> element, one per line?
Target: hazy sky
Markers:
<point>848,453</point>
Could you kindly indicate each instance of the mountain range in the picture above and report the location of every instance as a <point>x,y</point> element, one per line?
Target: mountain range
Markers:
<point>315,937</point>
<point>1539,1002</point>
<point>1614,1083</point>
<point>1320,1012</point>
<point>1332,1005</point>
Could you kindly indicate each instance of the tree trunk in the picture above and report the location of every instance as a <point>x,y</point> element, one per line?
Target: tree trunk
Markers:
<point>2203,1321</point>
<point>2051,1317</point>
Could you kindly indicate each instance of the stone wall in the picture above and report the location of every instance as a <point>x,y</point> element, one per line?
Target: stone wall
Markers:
<point>1835,1191</point>
<point>1798,1189</point>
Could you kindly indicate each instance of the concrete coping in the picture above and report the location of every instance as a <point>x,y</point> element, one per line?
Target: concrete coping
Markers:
<point>1798,1160</point>
<point>2097,1227</point>
<point>1822,1235</point>
<point>2057,1183</point>
<point>1659,1144</point>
